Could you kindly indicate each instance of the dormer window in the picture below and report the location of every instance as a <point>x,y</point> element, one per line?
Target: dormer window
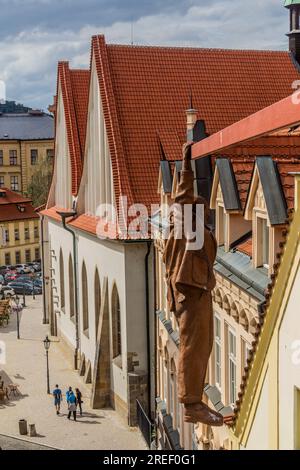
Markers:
<point>21,208</point>
<point>263,242</point>
<point>222,225</point>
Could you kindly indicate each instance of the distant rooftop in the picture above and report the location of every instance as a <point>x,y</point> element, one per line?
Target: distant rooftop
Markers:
<point>13,107</point>
<point>32,125</point>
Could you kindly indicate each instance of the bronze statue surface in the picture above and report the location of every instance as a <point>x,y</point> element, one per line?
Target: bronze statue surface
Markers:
<point>190,279</point>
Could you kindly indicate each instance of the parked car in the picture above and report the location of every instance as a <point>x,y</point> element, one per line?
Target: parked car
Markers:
<point>23,269</point>
<point>10,276</point>
<point>35,266</point>
<point>6,292</point>
<point>25,288</point>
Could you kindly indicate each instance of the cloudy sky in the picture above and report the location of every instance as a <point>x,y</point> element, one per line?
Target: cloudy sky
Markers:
<point>35,34</point>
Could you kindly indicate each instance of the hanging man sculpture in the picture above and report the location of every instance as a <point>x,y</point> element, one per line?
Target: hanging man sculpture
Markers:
<point>190,279</point>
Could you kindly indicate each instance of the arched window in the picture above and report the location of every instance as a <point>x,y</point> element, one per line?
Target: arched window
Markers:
<point>85,301</point>
<point>116,324</point>
<point>62,281</point>
<point>71,288</point>
<point>97,289</point>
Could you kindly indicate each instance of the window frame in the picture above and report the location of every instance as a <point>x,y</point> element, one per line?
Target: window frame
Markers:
<point>231,365</point>
<point>218,345</point>
<point>34,155</point>
<point>14,183</point>
<point>13,157</point>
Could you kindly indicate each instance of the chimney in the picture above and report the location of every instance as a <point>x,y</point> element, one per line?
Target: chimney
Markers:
<point>191,119</point>
<point>294,34</point>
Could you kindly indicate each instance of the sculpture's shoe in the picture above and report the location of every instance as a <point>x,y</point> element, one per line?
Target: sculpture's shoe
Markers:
<point>200,413</point>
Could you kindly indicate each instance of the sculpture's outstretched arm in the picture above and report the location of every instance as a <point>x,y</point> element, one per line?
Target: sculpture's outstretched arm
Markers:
<point>185,194</point>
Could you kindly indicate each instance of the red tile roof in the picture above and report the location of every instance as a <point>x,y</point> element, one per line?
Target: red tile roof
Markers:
<point>246,247</point>
<point>145,92</point>
<point>285,150</point>
<point>11,204</point>
<point>75,88</point>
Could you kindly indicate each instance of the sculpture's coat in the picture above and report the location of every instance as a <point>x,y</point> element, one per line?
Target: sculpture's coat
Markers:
<point>190,279</point>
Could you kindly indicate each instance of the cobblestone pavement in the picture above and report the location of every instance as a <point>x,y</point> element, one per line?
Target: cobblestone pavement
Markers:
<point>26,366</point>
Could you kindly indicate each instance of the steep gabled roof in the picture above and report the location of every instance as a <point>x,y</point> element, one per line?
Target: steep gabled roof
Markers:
<point>145,92</point>
<point>75,90</point>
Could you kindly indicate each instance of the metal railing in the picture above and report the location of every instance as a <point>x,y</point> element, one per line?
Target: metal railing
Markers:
<point>145,425</point>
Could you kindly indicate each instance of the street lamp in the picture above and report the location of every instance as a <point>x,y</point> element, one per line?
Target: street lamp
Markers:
<point>47,343</point>
<point>17,303</point>
<point>24,300</point>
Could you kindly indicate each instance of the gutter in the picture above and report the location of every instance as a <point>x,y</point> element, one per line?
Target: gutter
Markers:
<point>148,325</point>
<point>64,216</point>
<point>242,276</point>
<point>45,321</point>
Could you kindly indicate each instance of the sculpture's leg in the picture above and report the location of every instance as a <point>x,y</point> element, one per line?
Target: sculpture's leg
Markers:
<point>196,341</point>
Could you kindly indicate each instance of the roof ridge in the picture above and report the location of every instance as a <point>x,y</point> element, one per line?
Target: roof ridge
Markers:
<point>71,123</point>
<point>193,48</point>
<point>119,164</point>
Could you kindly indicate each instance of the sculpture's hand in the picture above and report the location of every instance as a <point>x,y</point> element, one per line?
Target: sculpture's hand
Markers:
<point>187,151</point>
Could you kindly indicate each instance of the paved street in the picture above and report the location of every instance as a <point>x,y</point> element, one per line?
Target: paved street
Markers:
<point>26,366</point>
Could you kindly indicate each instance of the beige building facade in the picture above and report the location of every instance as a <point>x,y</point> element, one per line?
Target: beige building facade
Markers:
<point>19,230</point>
<point>26,140</point>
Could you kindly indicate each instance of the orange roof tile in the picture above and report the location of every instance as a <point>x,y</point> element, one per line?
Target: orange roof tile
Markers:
<point>75,88</point>
<point>246,247</point>
<point>13,206</point>
<point>145,91</point>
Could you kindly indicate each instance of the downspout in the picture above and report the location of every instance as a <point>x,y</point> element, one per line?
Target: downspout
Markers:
<point>43,270</point>
<point>64,216</point>
<point>148,325</point>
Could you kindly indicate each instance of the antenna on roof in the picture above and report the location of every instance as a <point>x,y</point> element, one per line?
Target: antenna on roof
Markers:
<point>132,32</point>
<point>191,100</point>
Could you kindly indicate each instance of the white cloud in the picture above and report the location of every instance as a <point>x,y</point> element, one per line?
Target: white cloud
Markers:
<point>28,61</point>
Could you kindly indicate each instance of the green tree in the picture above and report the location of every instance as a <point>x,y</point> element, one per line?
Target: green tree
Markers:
<point>39,186</point>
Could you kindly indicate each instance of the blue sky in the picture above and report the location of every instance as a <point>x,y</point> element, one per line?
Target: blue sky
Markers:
<point>35,34</point>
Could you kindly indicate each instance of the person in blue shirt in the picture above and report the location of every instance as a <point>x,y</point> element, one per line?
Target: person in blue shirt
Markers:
<point>57,398</point>
<point>68,394</point>
<point>72,404</point>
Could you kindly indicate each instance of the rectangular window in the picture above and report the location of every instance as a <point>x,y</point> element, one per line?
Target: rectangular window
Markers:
<point>222,230</point>
<point>17,235</point>
<point>18,257</point>
<point>1,157</point>
<point>37,253</point>
<point>231,366</point>
<point>218,351</point>
<point>26,232</point>
<point>1,181</point>
<point>263,239</point>
<point>13,158</point>
<point>36,231</point>
<point>6,235</point>
<point>7,259</point>
<point>34,156</point>
<point>14,183</point>
<point>27,256</point>
<point>50,154</point>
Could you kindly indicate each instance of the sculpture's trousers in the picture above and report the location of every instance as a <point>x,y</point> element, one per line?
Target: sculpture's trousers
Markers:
<point>196,325</point>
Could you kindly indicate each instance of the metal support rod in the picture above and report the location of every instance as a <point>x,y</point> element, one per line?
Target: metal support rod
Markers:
<point>48,377</point>
<point>18,323</point>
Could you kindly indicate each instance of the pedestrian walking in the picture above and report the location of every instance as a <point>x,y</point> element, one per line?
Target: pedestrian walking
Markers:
<point>68,394</point>
<point>57,394</point>
<point>72,405</point>
<point>79,399</point>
